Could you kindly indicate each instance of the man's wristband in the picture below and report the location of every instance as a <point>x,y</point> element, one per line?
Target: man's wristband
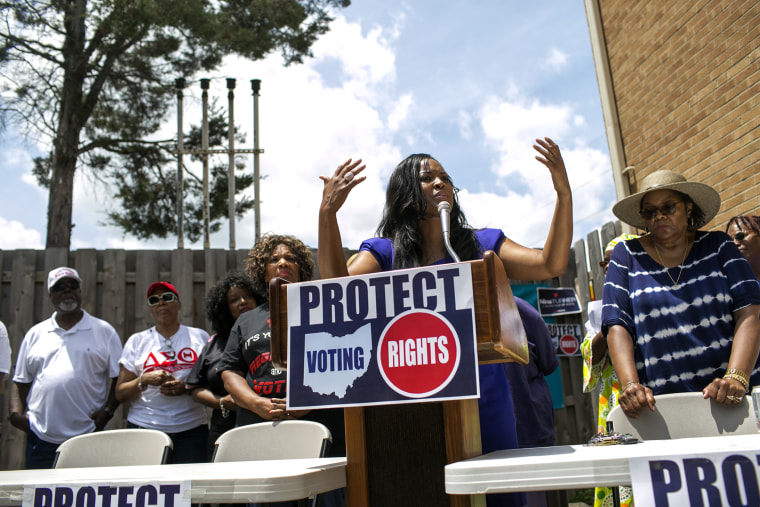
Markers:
<point>140,386</point>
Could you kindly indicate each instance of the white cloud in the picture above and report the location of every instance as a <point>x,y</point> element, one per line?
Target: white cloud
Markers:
<point>400,111</point>
<point>556,61</point>
<point>521,199</point>
<point>465,124</point>
<point>14,235</point>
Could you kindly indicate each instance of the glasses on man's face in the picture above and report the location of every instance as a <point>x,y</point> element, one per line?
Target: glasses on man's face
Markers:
<point>667,209</point>
<point>71,285</point>
<point>166,297</point>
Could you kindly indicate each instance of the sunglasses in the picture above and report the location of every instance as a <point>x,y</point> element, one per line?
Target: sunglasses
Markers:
<point>739,236</point>
<point>71,285</point>
<point>668,209</point>
<point>166,297</point>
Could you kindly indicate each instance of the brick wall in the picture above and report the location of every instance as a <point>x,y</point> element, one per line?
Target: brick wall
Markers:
<point>686,79</point>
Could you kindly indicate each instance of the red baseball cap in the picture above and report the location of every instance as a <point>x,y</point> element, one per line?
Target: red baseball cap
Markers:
<point>164,285</point>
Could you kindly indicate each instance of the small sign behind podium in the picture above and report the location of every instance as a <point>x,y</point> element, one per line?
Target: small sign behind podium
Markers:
<point>395,337</point>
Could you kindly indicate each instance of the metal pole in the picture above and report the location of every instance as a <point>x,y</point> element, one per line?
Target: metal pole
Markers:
<point>204,147</point>
<point>256,86</point>
<point>179,84</point>
<point>231,170</point>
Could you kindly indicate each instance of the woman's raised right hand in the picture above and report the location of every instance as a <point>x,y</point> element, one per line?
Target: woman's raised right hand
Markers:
<point>337,187</point>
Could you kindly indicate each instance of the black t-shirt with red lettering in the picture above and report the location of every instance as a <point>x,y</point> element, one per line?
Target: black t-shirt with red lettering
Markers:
<point>249,350</point>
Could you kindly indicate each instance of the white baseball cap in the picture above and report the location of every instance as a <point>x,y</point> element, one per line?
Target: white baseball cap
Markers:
<point>62,272</point>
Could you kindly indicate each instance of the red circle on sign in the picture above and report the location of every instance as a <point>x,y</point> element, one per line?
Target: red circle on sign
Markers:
<point>418,353</point>
<point>568,344</point>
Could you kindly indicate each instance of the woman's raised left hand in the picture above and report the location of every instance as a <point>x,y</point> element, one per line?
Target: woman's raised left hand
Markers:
<point>552,158</point>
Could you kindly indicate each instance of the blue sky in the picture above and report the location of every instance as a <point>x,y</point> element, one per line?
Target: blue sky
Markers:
<point>471,83</point>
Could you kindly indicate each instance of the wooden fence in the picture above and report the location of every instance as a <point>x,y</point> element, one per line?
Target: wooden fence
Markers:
<point>114,284</point>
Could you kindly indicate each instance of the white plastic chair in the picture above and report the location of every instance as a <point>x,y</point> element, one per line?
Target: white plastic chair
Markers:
<point>114,448</point>
<point>686,415</point>
<point>274,440</point>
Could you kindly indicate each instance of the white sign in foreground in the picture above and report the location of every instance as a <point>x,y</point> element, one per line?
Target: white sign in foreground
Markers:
<point>115,494</point>
<point>719,479</point>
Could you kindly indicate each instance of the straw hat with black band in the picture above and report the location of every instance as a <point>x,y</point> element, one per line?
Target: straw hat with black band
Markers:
<point>703,196</point>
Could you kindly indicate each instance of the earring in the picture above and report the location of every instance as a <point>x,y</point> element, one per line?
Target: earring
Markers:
<point>690,223</point>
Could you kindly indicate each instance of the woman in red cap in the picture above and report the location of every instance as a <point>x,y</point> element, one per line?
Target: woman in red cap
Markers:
<point>154,366</point>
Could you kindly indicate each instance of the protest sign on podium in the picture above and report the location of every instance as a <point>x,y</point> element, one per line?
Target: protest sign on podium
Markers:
<point>399,350</point>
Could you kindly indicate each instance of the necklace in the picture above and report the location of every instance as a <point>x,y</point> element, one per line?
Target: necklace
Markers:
<point>667,269</point>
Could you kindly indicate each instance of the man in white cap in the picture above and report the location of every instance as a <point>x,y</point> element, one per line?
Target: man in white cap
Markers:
<point>64,364</point>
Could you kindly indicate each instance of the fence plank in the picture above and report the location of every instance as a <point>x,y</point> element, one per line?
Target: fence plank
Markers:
<point>113,294</point>
<point>582,279</point>
<point>22,297</point>
<point>242,258</point>
<point>147,271</point>
<point>610,230</point>
<point>182,279</point>
<point>86,263</point>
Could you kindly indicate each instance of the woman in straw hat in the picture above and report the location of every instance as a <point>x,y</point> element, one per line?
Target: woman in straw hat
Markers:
<point>680,305</point>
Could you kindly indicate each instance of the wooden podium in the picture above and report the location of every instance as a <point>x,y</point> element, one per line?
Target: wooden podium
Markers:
<point>396,453</point>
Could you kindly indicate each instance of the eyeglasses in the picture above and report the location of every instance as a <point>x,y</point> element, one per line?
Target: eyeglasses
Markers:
<point>603,264</point>
<point>71,285</point>
<point>668,209</point>
<point>166,297</point>
<point>739,236</point>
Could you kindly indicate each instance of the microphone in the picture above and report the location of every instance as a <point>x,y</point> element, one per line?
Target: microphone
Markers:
<point>443,210</point>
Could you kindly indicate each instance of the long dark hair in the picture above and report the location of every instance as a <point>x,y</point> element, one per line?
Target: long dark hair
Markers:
<point>405,205</point>
<point>217,309</point>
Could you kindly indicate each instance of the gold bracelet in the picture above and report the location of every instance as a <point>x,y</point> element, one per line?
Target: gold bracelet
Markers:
<point>629,384</point>
<point>738,375</point>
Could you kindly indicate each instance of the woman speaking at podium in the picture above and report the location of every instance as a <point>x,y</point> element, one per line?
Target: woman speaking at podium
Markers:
<point>411,235</point>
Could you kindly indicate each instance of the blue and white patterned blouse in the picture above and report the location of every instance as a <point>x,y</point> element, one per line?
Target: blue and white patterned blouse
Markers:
<point>682,336</point>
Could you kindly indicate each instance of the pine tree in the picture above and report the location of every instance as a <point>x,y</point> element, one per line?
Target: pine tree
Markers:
<point>96,78</point>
